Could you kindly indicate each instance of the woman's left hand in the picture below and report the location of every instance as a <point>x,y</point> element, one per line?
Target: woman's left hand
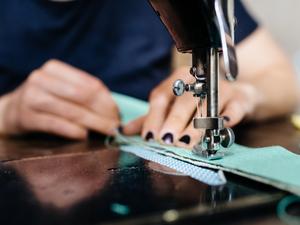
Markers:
<point>169,119</point>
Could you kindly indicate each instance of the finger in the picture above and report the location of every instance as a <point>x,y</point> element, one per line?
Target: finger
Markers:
<point>160,100</point>
<point>103,104</point>
<point>68,73</point>
<point>159,107</point>
<point>134,127</point>
<point>54,125</point>
<point>57,87</point>
<point>233,113</point>
<point>178,118</point>
<point>51,104</point>
<point>189,137</point>
<point>227,93</point>
<point>96,98</point>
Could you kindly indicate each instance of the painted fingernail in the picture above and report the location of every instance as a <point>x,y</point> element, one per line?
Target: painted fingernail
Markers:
<point>149,136</point>
<point>186,139</point>
<point>168,138</point>
<point>120,129</point>
<point>226,118</point>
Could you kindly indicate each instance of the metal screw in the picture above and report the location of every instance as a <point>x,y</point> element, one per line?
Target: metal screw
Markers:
<point>179,87</point>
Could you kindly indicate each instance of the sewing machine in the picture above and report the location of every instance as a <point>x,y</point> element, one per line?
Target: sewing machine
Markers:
<point>204,28</point>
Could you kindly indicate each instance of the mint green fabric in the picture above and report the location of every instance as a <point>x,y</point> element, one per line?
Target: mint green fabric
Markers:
<point>274,165</point>
<point>130,108</point>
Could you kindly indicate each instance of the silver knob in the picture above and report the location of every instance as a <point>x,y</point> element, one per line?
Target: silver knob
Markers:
<point>179,87</point>
<point>228,137</point>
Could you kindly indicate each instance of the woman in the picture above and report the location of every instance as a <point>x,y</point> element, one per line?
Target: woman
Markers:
<point>127,50</point>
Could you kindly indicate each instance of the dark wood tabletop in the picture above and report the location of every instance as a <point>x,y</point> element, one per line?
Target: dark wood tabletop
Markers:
<point>37,147</point>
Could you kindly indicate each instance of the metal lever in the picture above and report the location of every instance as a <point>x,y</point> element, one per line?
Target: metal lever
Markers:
<point>229,54</point>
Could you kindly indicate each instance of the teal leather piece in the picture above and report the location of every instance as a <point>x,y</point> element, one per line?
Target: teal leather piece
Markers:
<point>273,165</point>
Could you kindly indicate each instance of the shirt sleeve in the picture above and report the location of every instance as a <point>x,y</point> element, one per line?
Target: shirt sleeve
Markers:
<point>246,24</point>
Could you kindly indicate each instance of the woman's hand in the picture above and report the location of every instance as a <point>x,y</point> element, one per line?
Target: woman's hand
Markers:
<point>170,118</point>
<point>266,88</point>
<point>59,99</point>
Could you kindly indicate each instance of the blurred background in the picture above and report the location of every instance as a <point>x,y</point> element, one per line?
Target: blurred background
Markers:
<point>282,18</point>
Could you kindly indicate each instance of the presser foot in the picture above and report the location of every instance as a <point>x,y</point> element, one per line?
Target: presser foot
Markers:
<point>207,154</point>
<point>212,142</point>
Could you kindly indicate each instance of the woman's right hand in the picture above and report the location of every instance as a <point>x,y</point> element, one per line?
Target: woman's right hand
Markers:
<point>59,99</point>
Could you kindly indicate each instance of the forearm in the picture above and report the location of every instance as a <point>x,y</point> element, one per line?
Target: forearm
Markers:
<point>266,69</point>
<point>276,93</point>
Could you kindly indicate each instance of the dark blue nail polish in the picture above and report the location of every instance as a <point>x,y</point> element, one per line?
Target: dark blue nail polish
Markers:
<point>120,129</point>
<point>149,136</point>
<point>186,139</point>
<point>226,118</point>
<point>168,138</point>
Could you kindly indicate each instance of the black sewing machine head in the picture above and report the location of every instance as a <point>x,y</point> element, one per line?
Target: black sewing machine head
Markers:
<point>204,28</point>
<point>196,25</point>
<point>189,23</point>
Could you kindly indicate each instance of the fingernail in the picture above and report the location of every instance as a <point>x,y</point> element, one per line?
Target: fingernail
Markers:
<point>168,138</point>
<point>120,129</point>
<point>226,118</point>
<point>149,136</point>
<point>185,139</point>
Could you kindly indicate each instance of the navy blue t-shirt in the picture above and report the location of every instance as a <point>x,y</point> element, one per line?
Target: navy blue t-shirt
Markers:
<point>122,42</point>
